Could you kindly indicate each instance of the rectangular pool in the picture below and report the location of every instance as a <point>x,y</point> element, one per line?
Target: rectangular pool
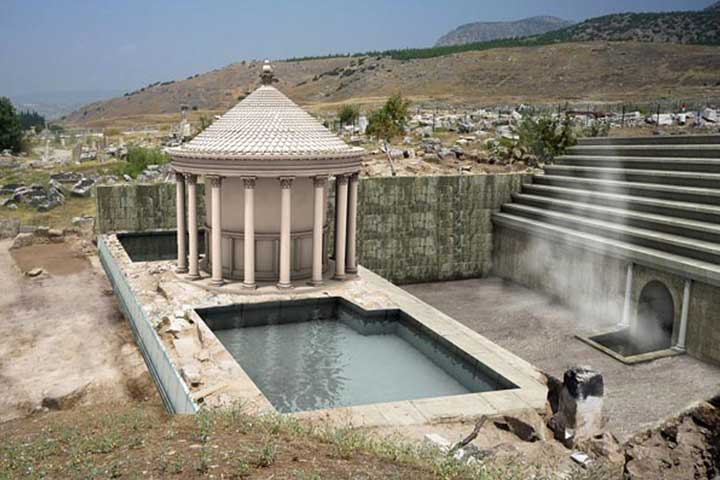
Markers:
<point>154,246</point>
<point>325,353</point>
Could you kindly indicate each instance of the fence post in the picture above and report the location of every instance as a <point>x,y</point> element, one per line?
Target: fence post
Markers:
<point>623,116</point>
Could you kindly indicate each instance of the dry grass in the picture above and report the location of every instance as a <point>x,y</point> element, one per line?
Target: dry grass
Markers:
<point>134,442</point>
<point>576,72</point>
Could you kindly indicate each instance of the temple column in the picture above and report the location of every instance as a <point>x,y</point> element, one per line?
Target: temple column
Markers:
<point>318,220</point>
<point>682,334</point>
<point>249,232</point>
<point>285,224</point>
<point>180,214</point>
<point>351,261</point>
<point>216,229</point>
<point>191,183</point>
<point>340,225</point>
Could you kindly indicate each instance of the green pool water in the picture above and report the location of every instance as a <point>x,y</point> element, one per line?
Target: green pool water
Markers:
<point>326,354</point>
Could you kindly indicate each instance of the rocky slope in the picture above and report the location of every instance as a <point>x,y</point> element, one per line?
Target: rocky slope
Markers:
<point>565,72</point>
<point>688,27</point>
<point>486,31</point>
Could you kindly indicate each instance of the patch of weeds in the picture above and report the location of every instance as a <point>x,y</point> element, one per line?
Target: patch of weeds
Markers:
<point>346,442</point>
<point>266,456</point>
<point>203,463</point>
<point>204,422</point>
<point>242,470</point>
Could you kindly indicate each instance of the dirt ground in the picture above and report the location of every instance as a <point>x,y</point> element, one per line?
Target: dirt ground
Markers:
<point>530,325</point>
<point>63,339</point>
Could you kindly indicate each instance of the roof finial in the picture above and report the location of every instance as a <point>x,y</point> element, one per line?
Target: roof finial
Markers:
<point>267,73</point>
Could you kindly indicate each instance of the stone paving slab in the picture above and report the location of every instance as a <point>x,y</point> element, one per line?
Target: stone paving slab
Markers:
<point>539,330</point>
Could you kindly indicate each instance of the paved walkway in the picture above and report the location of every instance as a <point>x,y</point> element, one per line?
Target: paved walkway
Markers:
<point>542,332</point>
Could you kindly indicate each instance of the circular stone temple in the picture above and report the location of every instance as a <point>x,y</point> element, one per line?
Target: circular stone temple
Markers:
<point>266,163</point>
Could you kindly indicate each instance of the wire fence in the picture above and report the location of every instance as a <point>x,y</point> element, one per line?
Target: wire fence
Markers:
<point>172,389</point>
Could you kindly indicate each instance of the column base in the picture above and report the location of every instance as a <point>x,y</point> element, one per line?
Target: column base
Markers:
<point>181,270</point>
<point>679,349</point>
<point>315,283</point>
<point>194,276</point>
<point>284,286</point>
<point>249,286</point>
<point>339,277</point>
<point>217,283</point>
<point>351,271</point>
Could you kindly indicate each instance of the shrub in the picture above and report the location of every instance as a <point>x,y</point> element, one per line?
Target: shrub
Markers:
<point>138,159</point>
<point>597,129</point>
<point>349,114</point>
<point>538,140</point>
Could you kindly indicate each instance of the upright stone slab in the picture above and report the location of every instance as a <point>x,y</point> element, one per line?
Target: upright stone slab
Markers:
<point>579,416</point>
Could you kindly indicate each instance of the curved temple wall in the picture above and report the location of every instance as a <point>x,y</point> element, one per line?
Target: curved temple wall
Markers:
<point>267,228</point>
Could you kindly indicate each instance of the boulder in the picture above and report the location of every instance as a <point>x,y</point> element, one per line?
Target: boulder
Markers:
<point>528,426</point>
<point>9,228</point>
<point>64,397</point>
<point>35,272</point>
<point>22,240</point>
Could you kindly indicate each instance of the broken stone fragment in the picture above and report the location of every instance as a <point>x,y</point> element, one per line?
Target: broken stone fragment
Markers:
<point>63,398</point>
<point>528,426</point>
<point>35,272</point>
<point>579,416</point>
<point>191,375</point>
<point>22,240</point>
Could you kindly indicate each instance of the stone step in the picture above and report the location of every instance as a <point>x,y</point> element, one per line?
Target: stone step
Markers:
<point>688,179</point>
<point>665,242</point>
<point>654,140</point>
<point>685,267</point>
<point>687,210</point>
<point>672,151</point>
<point>709,165</point>
<point>669,192</point>
<point>663,223</point>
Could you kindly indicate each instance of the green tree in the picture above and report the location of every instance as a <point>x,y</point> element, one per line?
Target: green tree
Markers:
<point>388,123</point>
<point>10,128</point>
<point>349,114</point>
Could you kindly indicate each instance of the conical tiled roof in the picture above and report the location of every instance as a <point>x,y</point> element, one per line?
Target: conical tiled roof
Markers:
<point>267,124</point>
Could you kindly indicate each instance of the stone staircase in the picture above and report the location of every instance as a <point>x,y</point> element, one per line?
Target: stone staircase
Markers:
<point>654,200</point>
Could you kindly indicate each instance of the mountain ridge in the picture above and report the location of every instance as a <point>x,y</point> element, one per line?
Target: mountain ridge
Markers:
<point>486,31</point>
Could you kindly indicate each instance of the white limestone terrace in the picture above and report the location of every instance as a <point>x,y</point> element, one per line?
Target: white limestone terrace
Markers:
<point>215,379</point>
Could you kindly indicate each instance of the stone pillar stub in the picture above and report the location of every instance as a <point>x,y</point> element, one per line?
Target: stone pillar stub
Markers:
<point>579,416</point>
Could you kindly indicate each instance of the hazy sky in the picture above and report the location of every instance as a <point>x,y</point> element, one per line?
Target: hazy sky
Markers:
<point>56,46</point>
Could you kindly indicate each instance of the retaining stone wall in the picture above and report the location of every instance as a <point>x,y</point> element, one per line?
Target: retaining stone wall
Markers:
<point>410,229</point>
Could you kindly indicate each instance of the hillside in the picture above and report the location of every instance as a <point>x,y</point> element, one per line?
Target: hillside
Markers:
<point>715,7</point>
<point>672,27</point>
<point>487,31</point>
<point>596,71</point>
